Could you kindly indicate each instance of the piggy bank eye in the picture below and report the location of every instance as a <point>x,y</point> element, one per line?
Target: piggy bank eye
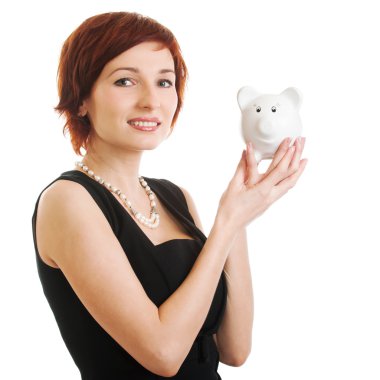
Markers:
<point>258,109</point>
<point>274,109</point>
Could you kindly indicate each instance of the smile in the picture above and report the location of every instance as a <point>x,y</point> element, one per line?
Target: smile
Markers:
<point>143,123</point>
<point>147,126</point>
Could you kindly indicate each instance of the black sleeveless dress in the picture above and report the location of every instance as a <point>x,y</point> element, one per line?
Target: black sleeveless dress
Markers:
<point>160,268</point>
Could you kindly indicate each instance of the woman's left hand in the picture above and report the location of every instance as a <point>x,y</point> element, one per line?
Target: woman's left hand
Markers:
<point>252,171</point>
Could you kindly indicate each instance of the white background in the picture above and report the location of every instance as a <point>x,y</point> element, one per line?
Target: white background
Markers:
<point>314,254</point>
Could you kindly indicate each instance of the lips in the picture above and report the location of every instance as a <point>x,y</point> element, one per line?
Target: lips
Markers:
<point>145,123</point>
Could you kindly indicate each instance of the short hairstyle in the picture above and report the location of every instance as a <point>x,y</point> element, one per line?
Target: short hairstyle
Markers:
<point>90,47</point>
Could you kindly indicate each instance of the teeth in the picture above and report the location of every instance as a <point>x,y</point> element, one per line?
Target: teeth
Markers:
<point>144,123</point>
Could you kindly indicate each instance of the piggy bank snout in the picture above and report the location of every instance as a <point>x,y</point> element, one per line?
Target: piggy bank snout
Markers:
<point>266,127</point>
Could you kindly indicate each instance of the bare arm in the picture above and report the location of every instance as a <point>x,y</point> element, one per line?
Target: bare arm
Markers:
<point>234,337</point>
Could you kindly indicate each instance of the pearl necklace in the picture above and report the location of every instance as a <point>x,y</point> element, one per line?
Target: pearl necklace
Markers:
<point>153,221</point>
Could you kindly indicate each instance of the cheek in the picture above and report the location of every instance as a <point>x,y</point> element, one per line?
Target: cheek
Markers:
<point>173,102</point>
<point>112,106</point>
<point>103,113</point>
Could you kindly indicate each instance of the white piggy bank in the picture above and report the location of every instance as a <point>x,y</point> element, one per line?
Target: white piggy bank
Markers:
<point>268,119</point>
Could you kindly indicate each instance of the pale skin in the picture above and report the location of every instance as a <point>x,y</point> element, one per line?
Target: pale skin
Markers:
<point>159,338</point>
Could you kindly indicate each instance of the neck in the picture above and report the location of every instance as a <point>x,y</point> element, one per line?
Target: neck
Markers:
<point>119,168</point>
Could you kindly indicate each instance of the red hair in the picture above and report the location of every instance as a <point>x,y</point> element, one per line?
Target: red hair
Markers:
<point>90,47</point>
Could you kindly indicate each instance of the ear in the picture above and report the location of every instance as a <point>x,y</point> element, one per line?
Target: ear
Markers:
<point>294,95</point>
<point>82,110</point>
<point>245,96</point>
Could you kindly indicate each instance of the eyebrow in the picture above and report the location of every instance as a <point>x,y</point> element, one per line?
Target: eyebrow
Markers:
<point>136,70</point>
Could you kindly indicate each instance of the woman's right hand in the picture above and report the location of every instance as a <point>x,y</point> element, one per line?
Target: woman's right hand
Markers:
<point>250,193</point>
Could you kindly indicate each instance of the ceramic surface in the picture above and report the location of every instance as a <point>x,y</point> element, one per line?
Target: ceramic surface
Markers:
<point>268,119</point>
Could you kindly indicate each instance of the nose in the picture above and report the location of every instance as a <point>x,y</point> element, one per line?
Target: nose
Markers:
<point>149,97</point>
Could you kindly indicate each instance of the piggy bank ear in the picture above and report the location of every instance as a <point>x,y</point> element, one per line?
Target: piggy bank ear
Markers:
<point>245,96</point>
<point>294,95</point>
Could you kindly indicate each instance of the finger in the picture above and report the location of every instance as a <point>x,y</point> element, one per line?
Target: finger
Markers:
<point>290,181</point>
<point>252,171</point>
<point>294,164</point>
<point>245,171</point>
<point>281,150</point>
<point>240,172</point>
<point>280,172</point>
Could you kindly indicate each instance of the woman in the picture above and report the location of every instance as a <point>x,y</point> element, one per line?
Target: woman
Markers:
<point>137,290</point>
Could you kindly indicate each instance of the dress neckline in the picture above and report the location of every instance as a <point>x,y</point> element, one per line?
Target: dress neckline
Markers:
<point>136,226</point>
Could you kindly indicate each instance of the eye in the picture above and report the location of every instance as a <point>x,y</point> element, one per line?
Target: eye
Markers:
<point>123,82</point>
<point>170,83</point>
<point>274,109</point>
<point>258,109</point>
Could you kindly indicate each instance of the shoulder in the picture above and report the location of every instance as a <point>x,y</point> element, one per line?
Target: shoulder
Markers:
<point>73,191</point>
<point>62,195</point>
<point>188,197</point>
<point>64,208</point>
<point>181,193</point>
<point>169,186</point>
<point>192,208</point>
<point>68,201</point>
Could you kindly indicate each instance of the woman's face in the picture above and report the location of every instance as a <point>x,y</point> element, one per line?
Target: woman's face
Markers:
<point>137,84</point>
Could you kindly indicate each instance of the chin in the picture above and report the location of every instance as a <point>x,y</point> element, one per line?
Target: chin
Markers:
<point>148,145</point>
